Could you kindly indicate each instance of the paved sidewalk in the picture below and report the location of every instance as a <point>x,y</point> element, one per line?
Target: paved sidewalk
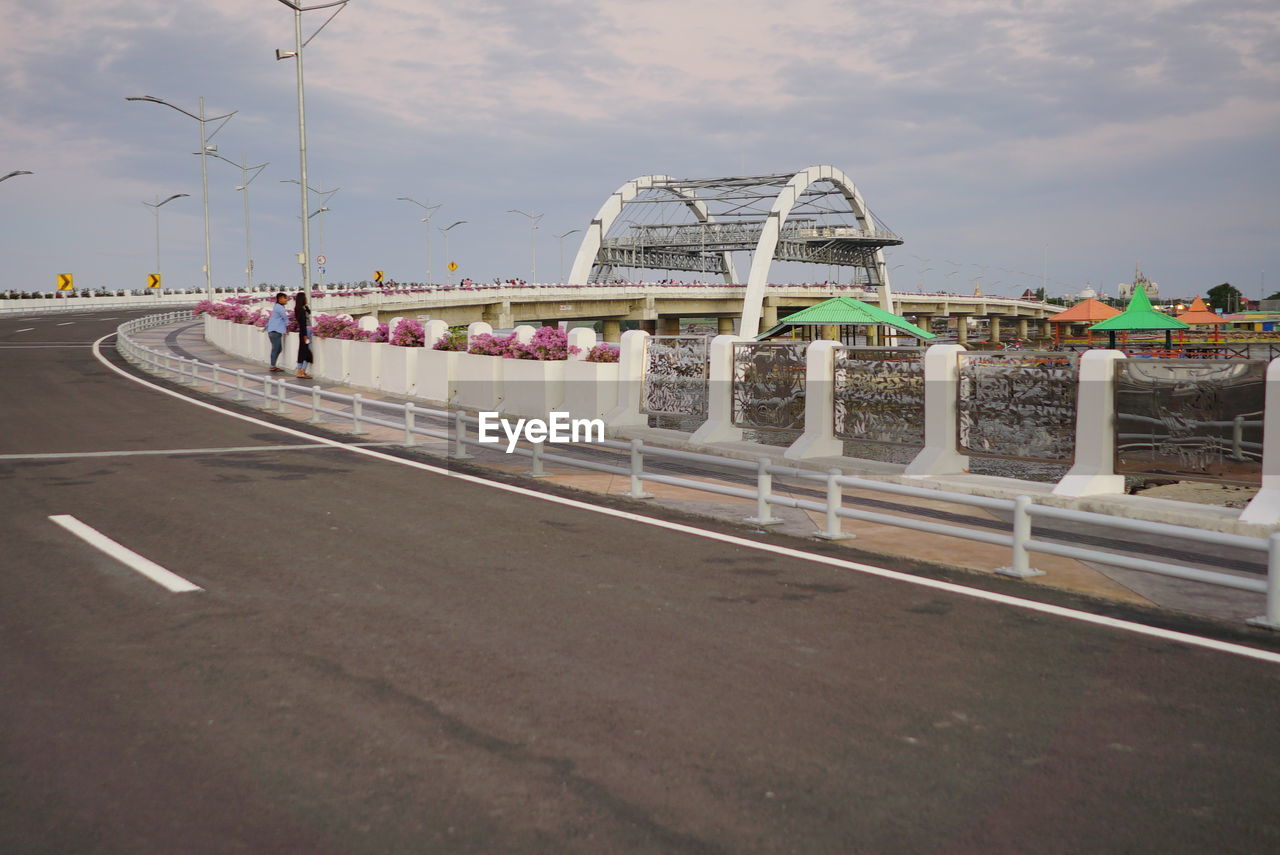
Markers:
<point>871,539</point>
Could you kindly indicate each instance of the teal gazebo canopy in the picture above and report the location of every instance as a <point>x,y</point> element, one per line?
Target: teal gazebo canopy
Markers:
<point>1139,317</point>
<point>845,311</point>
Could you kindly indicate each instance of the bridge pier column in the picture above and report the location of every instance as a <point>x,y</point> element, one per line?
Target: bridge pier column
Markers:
<point>768,317</point>
<point>1022,328</point>
<point>924,321</point>
<point>724,326</point>
<point>830,332</point>
<point>995,327</point>
<point>873,335</point>
<point>962,329</point>
<point>650,326</point>
<point>611,330</point>
<point>668,326</point>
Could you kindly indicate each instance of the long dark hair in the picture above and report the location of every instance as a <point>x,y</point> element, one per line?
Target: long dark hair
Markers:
<point>300,299</point>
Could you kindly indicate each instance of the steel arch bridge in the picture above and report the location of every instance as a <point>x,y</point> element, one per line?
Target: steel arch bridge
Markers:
<point>815,215</point>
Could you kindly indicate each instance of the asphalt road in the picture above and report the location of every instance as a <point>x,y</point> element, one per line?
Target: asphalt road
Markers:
<point>386,660</point>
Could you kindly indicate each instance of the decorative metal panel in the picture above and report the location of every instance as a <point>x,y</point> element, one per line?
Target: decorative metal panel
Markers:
<point>879,395</point>
<point>1019,405</point>
<point>769,385</point>
<point>1199,420</point>
<point>675,375</point>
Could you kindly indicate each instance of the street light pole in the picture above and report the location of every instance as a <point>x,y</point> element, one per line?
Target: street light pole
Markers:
<point>445,231</point>
<point>245,181</point>
<point>430,209</point>
<point>155,208</point>
<point>304,258</point>
<point>325,195</point>
<point>561,238</point>
<point>533,242</point>
<point>204,171</point>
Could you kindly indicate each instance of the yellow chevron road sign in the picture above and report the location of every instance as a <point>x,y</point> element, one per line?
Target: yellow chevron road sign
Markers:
<point>153,280</point>
<point>66,282</point>
<point>377,276</point>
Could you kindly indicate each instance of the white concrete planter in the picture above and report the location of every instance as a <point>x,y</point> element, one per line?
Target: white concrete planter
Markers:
<point>331,358</point>
<point>435,373</point>
<point>590,388</point>
<point>399,369</point>
<point>288,360</point>
<point>478,381</point>
<point>364,363</point>
<point>530,387</point>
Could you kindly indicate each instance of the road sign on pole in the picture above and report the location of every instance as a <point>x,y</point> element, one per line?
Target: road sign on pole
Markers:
<point>321,260</point>
<point>66,282</point>
<point>153,280</point>
<point>453,265</point>
<point>377,276</point>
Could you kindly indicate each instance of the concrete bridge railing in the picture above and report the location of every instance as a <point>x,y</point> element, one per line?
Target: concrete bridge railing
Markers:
<point>615,392</point>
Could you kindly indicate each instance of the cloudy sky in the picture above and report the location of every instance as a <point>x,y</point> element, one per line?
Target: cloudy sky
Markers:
<point>1090,135</point>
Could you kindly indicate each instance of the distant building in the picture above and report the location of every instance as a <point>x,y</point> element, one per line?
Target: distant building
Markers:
<point>1088,293</point>
<point>1125,289</point>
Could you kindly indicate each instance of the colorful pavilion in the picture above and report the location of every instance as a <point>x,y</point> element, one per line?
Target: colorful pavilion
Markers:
<point>1085,313</point>
<point>842,315</point>
<point>1140,317</point>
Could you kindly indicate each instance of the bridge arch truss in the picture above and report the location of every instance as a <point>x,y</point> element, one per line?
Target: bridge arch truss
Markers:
<point>816,215</point>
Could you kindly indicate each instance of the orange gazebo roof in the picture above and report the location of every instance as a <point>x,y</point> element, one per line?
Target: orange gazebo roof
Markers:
<point>1199,314</point>
<point>1088,311</point>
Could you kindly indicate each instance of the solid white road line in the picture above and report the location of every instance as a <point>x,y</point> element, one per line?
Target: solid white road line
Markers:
<point>25,329</point>
<point>800,555</point>
<point>66,323</point>
<point>124,555</point>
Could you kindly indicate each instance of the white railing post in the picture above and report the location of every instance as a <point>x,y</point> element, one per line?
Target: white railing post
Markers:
<point>535,462</point>
<point>315,405</point>
<point>408,423</point>
<point>214,384</point>
<point>266,392</point>
<point>764,490</point>
<point>631,366</point>
<point>819,437</point>
<point>719,425</point>
<point>1264,507</point>
<point>940,456</point>
<point>460,437</point>
<point>1271,620</point>
<point>637,472</point>
<point>835,500</point>
<point>1020,562</point>
<point>1094,470</point>
<point>357,413</point>
<point>240,396</point>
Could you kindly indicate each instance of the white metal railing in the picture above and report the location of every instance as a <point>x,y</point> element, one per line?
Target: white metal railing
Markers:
<point>274,396</point>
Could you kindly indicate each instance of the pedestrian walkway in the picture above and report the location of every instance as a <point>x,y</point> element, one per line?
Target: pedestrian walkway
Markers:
<point>869,540</point>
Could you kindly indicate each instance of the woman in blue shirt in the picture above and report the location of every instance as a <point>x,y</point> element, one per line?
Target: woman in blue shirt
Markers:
<point>277,326</point>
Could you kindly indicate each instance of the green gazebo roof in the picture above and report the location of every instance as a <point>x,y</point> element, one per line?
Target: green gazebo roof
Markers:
<point>1139,316</point>
<point>846,310</point>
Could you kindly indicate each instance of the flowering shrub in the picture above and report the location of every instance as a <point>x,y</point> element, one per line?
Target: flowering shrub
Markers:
<point>455,339</point>
<point>381,334</point>
<point>603,352</point>
<point>408,333</point>
<point>334,326</point>
<point>486,344</point>
<point>548,343</point>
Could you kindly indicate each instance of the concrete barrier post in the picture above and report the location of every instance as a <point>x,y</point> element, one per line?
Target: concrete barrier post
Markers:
<point>476,328</point>
<point>1264,508</point>
<point>583,338</point>
<point>631,366</point>
<point>819,437</point>
<point>1094,470</point>
<point>941,397</point>
<point>719,424</point>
